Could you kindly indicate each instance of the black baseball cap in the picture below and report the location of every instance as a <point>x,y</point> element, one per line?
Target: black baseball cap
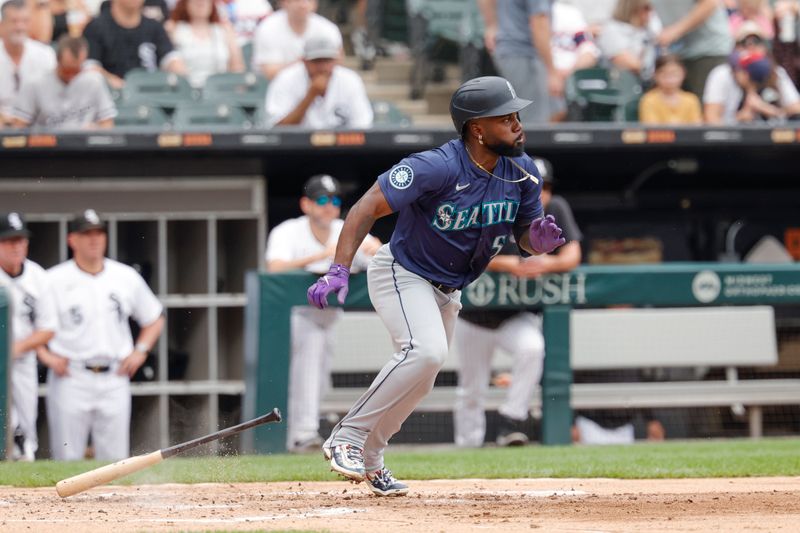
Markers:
<point>13,225</point>
<point>322,185</point>
<point>545,169</point>
<point>86,220</point>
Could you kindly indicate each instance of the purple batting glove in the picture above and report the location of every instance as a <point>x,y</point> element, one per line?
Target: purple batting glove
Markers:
<point>545,235</point>
<point>334,281</point>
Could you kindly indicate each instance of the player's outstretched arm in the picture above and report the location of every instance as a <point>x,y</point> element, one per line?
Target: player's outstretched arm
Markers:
<point>359,221</point>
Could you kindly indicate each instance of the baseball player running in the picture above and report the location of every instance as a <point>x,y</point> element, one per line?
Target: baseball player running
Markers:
<point>92,355</point>
<point>308,243</point>
<point>479,332</point>
<point>457,205</point>
<point>33,323</point>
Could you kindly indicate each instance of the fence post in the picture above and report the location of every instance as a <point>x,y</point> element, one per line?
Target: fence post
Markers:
<point>557,377</point>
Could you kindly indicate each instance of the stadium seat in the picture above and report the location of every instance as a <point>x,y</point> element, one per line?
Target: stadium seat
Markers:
<point>162,89</point>
<point>243,89</point>
<point>202,115</point>
<point>140,115</point>
<point>387,114</point>
<point>601,94</point>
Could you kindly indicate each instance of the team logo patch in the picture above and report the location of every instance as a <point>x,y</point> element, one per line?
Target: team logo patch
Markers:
<point>401,177</point>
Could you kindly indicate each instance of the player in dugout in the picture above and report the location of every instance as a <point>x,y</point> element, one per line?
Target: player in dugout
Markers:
<point>457,206</point>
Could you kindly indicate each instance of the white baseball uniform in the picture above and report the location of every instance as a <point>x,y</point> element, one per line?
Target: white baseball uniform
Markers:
<point>94,334</point>
<point>32,310</point>
<point>312,329</point>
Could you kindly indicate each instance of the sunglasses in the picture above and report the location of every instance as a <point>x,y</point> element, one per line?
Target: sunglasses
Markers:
<point>335,200</point>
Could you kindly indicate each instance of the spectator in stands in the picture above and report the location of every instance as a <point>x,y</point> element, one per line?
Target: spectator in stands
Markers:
<point>279,39</point>
<point>518,36</point>
<point>67,98</point>
<point>121,39</point>
<point>698,32</point>
<point>244,16</point>
<point>205,46</point>
<point>749,87</point>
<point>573,49</point>
<point>157,10</point>
<point>69,17</point>
<point>22,59</point>
<point>786,45</point>
<point>627,39</point>
<point>755,11</point>
<point>666,103</point>
<point>40,23</point>
<point>317,92</point>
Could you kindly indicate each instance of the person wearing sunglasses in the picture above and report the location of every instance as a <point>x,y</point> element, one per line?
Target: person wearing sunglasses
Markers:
<point>308,243</point>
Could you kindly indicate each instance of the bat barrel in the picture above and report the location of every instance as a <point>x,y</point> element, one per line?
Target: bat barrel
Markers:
<point>105,474</point>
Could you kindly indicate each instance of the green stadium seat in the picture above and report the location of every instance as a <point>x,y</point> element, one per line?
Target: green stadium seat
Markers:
<point>140,115</point>
<point>242,89</point>
<point>209,115</point>
<point>387,114</point>
<point>601,94</point>
<point>162,89</point>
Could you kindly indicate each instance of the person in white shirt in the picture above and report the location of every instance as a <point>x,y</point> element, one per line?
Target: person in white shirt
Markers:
<point>740,90</point>
<point>33,322</point>
<point>69,97</point>
<point>92,356</point>
<point>318,93</point>
<point>21,59</point>
<point>279,39</point>
<point>308,243</point>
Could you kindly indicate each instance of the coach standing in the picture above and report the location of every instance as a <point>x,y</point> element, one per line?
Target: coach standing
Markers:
<point>92,356</point>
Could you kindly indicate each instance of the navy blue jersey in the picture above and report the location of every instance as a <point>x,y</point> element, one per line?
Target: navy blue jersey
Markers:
<point>454,217</point>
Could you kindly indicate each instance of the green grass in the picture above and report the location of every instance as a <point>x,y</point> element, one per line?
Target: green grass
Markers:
<point>713,458</point>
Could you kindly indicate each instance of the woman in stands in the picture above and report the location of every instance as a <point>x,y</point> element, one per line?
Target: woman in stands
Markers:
<point>206,45</point>
<point>628,39</point>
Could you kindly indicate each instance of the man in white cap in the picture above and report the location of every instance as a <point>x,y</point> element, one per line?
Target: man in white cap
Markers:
<point>319,93</point>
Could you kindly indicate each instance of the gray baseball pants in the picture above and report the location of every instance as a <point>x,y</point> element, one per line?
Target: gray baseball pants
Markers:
<point>420,320</point>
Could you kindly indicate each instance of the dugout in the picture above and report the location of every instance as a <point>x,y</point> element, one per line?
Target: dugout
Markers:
<point>196,207</point>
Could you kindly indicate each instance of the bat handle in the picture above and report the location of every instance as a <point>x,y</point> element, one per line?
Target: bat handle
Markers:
<point>105,474</point>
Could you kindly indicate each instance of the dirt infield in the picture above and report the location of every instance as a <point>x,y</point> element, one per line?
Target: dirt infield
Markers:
<point>561,505</point>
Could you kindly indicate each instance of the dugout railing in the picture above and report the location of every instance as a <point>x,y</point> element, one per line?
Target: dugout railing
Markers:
<point>271,297</point>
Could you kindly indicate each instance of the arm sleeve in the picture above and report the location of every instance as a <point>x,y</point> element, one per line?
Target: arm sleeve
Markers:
<point>789,94</point>
<point>281,98</point>
<point>146,307</point>
<point>164,48</point>
<point>92,35</point>
<point>413,177</point>
<point>46,316</point>
<point>279,244</point>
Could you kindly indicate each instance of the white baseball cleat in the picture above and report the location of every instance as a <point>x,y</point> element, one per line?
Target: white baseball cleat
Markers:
<point>383,483</point>
<point>347,460</point>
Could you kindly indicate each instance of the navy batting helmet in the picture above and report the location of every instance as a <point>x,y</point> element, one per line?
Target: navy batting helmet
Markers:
<point>488,96</point>
<point>545,169</point>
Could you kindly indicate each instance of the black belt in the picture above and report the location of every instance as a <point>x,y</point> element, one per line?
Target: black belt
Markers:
<point>98,369</point>
<point>444,288</point>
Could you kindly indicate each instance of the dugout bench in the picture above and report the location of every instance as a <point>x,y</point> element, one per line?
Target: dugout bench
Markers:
<point>631,338</point>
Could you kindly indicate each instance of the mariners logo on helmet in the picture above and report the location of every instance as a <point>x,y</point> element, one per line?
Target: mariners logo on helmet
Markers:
<point>401,177</point>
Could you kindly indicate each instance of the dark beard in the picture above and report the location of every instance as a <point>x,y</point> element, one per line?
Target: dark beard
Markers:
<point>513,150</point>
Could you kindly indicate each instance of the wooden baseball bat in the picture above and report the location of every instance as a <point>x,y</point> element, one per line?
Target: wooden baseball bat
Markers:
<point>108,473</point>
